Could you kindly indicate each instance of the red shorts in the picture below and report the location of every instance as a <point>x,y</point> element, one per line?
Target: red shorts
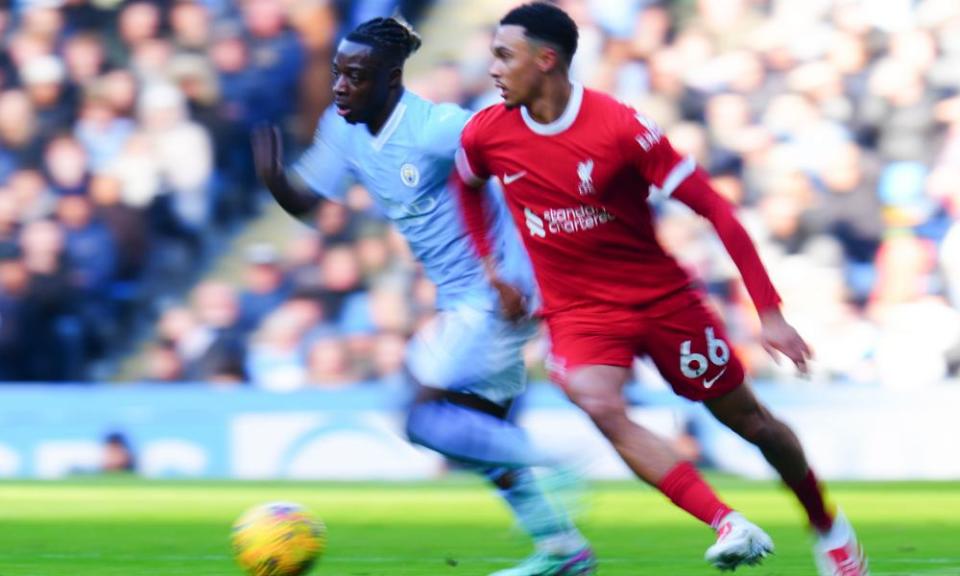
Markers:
<point>682,336</point>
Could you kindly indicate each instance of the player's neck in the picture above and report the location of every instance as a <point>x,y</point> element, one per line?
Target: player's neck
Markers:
<point>377,123</point>
<point>552,101</point>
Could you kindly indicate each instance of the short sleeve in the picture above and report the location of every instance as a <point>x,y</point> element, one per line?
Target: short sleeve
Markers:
<point>442,134</point>
<point>470,162</point>
<point>324,167</point>
<point>649,151</point>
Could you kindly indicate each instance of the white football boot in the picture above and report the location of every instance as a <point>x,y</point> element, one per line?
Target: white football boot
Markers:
<point>739,542</point>
<point>838,553</point>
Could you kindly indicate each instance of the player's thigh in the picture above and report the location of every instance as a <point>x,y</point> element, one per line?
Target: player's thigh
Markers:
<point>691,350</point>
<point>590,351</point>
<point>466,347</point>
<point>598,389</point>
<point>501,370</point>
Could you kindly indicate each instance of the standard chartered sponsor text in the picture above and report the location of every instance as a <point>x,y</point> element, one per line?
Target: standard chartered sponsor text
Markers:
<point>570,220</point>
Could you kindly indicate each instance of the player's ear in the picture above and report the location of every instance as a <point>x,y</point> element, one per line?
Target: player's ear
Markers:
<point>547,58</point>
<point>395,77</point>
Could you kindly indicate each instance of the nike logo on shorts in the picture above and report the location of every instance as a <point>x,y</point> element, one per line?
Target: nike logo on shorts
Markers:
<point>511,178</point>
<point>709,382</point>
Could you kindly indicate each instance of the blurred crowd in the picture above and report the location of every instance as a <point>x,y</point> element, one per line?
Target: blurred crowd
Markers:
<point>834,126</point>
<point>124,157</point>
<point>333,309</point>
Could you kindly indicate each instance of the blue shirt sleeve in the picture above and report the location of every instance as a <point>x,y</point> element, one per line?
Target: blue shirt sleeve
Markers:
<point>442,134</point>
<point>324,167</point>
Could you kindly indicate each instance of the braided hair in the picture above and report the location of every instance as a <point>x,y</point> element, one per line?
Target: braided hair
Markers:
<point>390,37</point>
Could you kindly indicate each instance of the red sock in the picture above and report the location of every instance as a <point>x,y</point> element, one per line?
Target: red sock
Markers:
<point>811,497</point>
<point>685,488</point>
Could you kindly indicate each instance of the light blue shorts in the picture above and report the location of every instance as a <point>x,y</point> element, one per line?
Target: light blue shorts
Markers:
<point>470,349</point>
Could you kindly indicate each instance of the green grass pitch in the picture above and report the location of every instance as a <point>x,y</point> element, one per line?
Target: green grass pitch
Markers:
<point>453,527</point>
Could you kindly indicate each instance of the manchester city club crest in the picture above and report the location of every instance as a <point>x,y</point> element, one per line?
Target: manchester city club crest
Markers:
<point>410,175</point>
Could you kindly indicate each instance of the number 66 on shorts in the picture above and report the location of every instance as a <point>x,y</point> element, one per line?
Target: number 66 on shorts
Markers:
<point>682,337</point>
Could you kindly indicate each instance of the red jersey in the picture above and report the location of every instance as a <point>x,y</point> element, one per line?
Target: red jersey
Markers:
<point>577,189</point>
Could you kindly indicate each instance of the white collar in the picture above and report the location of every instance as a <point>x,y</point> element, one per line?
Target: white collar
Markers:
<point>564,121</point>
<point>390,126</point>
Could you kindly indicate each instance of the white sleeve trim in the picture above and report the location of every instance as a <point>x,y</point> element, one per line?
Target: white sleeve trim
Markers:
<point>675,178</point>
<point>465,171</point>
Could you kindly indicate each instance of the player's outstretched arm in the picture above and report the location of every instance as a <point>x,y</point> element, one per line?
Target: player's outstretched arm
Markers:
<point>776,333</point>
<point>267,145</point>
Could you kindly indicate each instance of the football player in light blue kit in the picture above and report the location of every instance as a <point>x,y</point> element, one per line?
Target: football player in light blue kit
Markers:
<point>468,361</point>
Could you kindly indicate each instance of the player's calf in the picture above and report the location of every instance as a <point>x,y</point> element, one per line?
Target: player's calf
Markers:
<point>537,512</point>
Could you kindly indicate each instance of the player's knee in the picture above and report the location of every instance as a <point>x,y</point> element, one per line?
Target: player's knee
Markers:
<point>418,426</point>
<point>605,410</point>
<point>410,429</point>
<point>502,478</point>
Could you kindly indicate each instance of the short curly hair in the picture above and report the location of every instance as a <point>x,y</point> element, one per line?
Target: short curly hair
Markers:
<point>547,23</point>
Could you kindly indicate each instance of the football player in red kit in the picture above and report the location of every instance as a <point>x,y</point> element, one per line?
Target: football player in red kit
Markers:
<point>576,168</point>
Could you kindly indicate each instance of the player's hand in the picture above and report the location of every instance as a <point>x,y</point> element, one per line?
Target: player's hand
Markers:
<point>512,302</point>
<point>267,145</point>
<point>776,335</point>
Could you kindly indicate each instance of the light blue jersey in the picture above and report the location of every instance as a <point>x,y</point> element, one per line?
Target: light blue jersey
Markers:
<point>406,168</point>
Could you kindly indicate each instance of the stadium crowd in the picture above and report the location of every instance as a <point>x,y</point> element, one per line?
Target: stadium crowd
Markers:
<point>125,162</point>
<point>834,125</point>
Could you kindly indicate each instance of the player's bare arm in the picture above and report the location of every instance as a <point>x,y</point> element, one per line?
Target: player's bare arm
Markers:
<point>267,145</point>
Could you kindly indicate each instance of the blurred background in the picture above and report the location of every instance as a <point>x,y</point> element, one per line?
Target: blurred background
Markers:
<point>160,315</point>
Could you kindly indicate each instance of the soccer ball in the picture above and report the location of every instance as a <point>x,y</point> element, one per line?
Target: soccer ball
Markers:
<point>278,539</point>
